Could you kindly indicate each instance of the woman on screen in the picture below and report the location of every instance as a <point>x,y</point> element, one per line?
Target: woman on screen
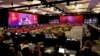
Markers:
<point>25,21</point>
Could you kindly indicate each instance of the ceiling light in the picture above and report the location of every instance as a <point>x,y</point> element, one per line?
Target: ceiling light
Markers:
<point>27,2</point>
<point>98,8</point>
<point>33,10</point>
<point>76,8</point>
<point>79,10</point>
<point>79,1</point>
<point>15,5</point>
<point>41,6</point>
<point>96,11</point>
<point>31,2</point>
<point>73,6</point>
<point>24,8</point>
<point>36,2</point>
<point>79,5</point>
<point>44,13</point>
<point>52,8</point>
<point>57,11</point>
<point>7,6</point>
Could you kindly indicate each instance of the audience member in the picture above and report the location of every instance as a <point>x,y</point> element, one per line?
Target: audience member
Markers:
<point>56,53</point>
<point>87,50</point>
<point>3,47</point>
<point>24,48</point>
<point>62,39</point>
<point>11,51</point>
<point>37,51</point>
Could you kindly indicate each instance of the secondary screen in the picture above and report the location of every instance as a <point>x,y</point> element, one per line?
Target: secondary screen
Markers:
<point>16,19</point>
<point>71,19</point>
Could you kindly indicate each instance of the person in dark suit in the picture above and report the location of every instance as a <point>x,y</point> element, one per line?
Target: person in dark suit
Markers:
<point>40,37</point>
<point>25,48</point>
<point>4,49</point>
<point>87,51</point>
<point>62,39</point>
<point>56,53</point>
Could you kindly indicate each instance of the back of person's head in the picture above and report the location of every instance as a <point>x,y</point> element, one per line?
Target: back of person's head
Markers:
<point>56,47</point>
<point>87,50</point>
<point>25,42</point>
<point>56,53</point>
<point>41,32</point>
<point>63,34</point>
<point>88,44</point>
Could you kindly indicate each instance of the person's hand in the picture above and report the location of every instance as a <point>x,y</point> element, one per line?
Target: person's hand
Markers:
<point>38,48</point>
<point>12,49</point>
<point>39,43</point>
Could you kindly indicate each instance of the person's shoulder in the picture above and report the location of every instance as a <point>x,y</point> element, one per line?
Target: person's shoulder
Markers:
<point>57,54</point>
<point>60,53</point>
<point>95,54</point>
<point>79,53</point>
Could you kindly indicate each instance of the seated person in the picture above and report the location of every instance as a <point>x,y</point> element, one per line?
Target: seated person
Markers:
<point>62,39</point>
<point>87,50</point>
<point>24,48</point>
<point>56,53</point>
<point>4,49</point>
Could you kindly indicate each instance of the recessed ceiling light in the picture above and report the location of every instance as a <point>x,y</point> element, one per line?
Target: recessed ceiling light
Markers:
<point>44,13</point>
<point>31,2</point>
<point>79,5</point>
<point>41,6</point>
<point>96,11</point>
<point>33,10</point>
<point>98,8</point>
<point>27,2</point>
<point>20,8</point>
<point>52,8</point>
<point>78,10</point>
<point>7,6</point>
<point>36,2</point>
<point>57,11</point>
